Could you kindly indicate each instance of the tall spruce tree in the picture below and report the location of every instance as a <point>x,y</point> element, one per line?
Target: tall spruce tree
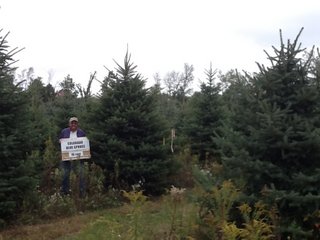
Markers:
<point>127,141</point>
<point>276,147</point>
<point>39,120</point>
<point>65,104</point>
<point>15,180</point>
<point>204,118</point>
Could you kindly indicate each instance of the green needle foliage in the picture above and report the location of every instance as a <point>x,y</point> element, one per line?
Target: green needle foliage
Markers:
<point>204,118</point>
<point>273,142</point>
<point>127,140</point>
<point>15,180</point>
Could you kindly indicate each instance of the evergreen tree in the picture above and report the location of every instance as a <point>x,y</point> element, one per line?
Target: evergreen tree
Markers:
<point>15,180</point>
<point>65,104</point>
<point>276,147</point>
<point>127,141</point>
<point>39,120</point>
<point>204,118</point>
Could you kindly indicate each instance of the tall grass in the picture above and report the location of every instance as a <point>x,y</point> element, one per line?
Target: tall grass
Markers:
<point>167,218</point>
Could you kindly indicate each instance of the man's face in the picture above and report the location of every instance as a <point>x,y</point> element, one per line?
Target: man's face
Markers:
<point>73,126</point>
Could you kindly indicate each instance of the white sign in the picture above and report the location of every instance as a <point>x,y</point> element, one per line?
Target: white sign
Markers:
<point>75,148</point>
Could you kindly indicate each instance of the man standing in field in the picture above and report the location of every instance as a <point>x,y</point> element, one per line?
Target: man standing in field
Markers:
<point>72,132</point>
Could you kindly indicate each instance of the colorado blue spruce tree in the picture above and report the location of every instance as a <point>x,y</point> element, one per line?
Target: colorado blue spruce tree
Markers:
<point>127,140</point>
<point>204,118</point>
<point>273,142</point>
<point>15,180</point>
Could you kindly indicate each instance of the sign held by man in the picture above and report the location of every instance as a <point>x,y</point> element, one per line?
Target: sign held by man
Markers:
<point>75,148</point>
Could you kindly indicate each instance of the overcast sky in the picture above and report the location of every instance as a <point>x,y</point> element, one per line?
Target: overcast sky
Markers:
<point>78,37</point>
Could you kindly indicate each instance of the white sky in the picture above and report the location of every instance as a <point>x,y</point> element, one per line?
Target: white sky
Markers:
<point>78,37</point>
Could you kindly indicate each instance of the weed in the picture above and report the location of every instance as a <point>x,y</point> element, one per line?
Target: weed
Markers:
<point>215,208</point>
<point>137,200</point>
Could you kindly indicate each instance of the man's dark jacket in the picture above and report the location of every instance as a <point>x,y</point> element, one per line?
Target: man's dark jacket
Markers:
<point>65,133</point>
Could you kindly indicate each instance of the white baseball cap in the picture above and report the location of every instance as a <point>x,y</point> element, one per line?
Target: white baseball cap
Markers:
<point>73,119</point>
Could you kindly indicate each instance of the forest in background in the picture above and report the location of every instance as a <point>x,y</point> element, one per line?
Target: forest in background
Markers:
<point>251,141</point>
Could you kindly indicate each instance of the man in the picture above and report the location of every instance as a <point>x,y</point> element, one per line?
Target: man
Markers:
<point>71,132</point>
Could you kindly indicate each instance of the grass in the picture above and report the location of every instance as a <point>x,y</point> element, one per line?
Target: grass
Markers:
<point>53,229</point>
<point>154,222</point>
<point>149,220</point>
<point>118,224</point>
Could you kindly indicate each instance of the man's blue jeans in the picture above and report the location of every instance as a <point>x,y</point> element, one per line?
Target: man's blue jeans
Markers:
<point>67,166</point>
